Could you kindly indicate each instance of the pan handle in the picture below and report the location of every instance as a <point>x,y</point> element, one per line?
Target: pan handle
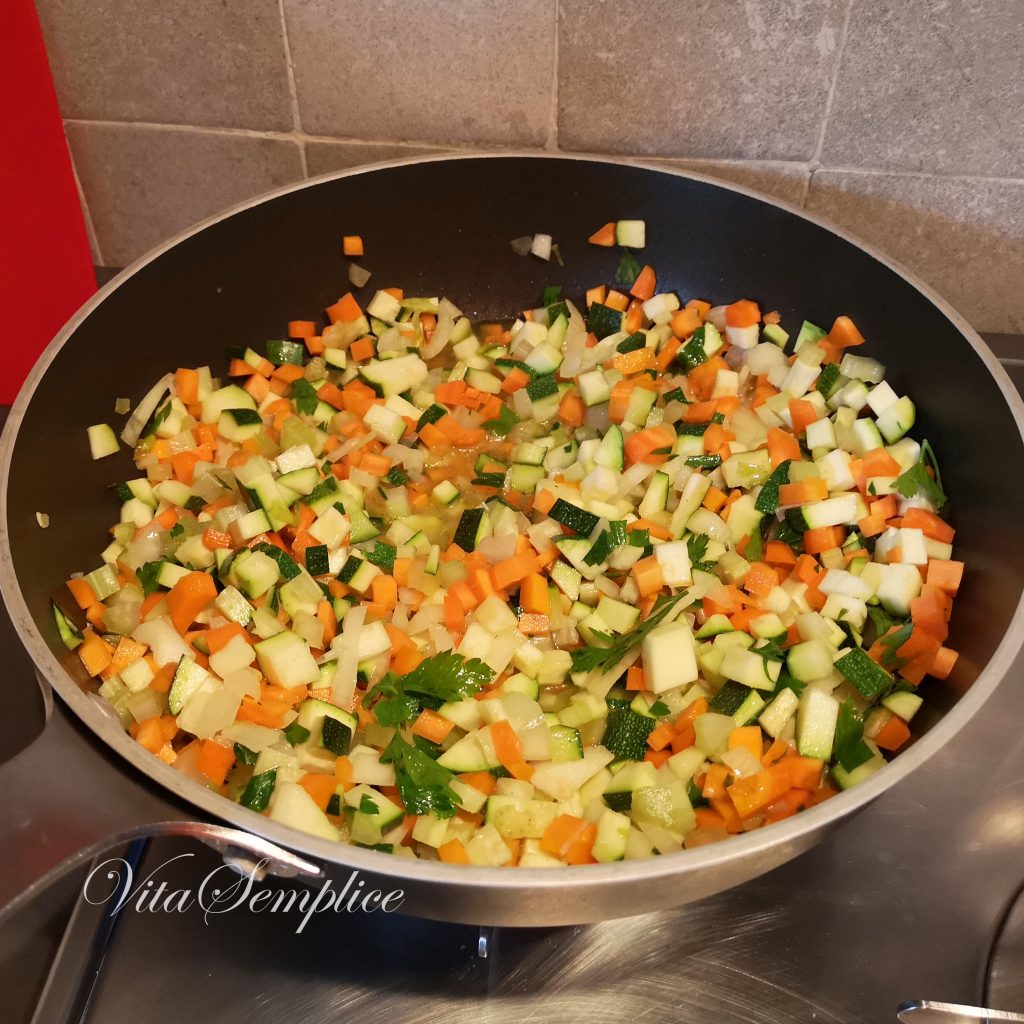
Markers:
<point>65,799</point>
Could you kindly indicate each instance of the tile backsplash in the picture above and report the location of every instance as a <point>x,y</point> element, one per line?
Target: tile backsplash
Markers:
<point>900,120</point>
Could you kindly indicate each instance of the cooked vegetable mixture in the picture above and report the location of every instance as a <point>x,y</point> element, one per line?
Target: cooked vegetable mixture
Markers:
<point>605,583</point>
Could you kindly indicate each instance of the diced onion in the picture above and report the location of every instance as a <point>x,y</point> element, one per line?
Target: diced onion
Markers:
<point>145,409</point>
<point>347,646</point>
<point>358,275</point>
<point>521,246</point>
<point>497,549</point>
<point>43,519</point>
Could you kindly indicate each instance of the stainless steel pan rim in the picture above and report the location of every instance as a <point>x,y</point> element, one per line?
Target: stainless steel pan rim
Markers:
<point>789,833</point>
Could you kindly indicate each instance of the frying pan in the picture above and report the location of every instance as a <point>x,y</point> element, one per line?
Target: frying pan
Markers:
<point>442,227</point>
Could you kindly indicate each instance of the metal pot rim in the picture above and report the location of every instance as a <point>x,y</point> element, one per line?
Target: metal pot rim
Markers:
<point>87,707</point>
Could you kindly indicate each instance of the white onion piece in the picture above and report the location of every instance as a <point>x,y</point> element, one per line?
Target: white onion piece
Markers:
<point>440,639</point>
<point>347,647</point>
<point>541,246</point>
<point>761,358</point>
<point>165,644</point>
<point>363,479</point>
<point>497,549</point>
<point>429,615</point>
<point>574,345</point>
<point>145,409</point>
<point>634,476</point>
<point>716,315</point>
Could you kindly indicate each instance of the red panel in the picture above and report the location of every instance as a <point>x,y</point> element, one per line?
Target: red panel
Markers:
<point>45,266</point>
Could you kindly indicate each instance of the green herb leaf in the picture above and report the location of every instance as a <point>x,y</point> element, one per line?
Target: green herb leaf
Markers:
<point>158,418</point>
<point>396,476</point>
<point>147,577</point>
<point>552,294</point>
<point>754,551</point>
<point>628,270</point>
<point>892,643</point>
<point>243,755</point>
<point>367,806</point>
<point>917,479</point>
<point>696,548</point>
<point>587,658</point>
<point>303,394</point>
<point>176,530</point>
<point>296,734</point>
<point>423,784</point>
<point>659,709</point>
<point>506,420</point>
<point>850,749</point>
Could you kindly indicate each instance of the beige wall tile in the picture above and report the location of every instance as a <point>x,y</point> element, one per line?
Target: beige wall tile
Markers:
<point>931,85</point>
<point>964,236</point>
<point>204,62</point>
<point>322,157</point>
<point>783,181</point>
<point>424,70</point>
<point>696,78</point>
<point>144,185</point>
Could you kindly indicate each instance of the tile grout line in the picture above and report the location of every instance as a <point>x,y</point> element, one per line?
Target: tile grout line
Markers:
<point>551,143</point>
<point>293,92</point>
<point>844,35</point>
<point>90,226</point>
<point>465,147</point>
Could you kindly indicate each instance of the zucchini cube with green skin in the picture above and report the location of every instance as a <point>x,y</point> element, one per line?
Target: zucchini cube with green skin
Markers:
<point>301,594</point>
<point>230,397</point>
<point>256,572</point>
<point>291,805</point>
<point>251,525</point>
<point>329,726</point>
<point>102,441</point>
<point>286,661</point>
<point>393,376</point>
<point>385,424</point>
<point>187,680</point>
<point>231,603</point>
<point>239,425</point>
<point>816,723</point>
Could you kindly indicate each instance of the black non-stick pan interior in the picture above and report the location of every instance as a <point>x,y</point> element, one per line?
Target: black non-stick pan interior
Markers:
<point>443,228</point>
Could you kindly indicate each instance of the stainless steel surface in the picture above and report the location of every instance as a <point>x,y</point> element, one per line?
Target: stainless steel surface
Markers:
<point>1006,971</point>
<point>52,822</point>
<point>926,1011</point>
<point>496,896</point>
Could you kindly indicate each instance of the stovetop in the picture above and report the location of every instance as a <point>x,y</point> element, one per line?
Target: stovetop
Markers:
<point>903,902</point>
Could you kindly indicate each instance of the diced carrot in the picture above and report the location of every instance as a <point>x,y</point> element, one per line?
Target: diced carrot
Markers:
<point>320,787</point>
<point>930,524</point>
<point>805,772</point>
<point>215,760</point>
<point>570,410</point>
<point>825,538</point>
<point>644,285</point>
<point>871,526</point>
<point>878,462</point>
<point>616,300</point>
<point>240,368</point>
<point>95,653</point>
<point>928,612</point>
<point>515,381</point>
<point>714,782</point>
<point>893,734</point>
<point>684,322</point>
<point>188,597</point>
<point>705,817</point>
<point>660,736</point>
<point>635,678</point>
<point>800,493</point>
<point>648,575</point>
<point>352,245</point>
<point>509,751</point>
<point>186,383</point>
<point>561,833</point>
<point>604,235</point>
<point>776,552</point>
<point>802,414</point>
<point>760,579</point>
<point>214,539</point>
<point>782,446</point>
<point>747,737</point>
<point>714,499</point>
<point>485,782</point>
<point>512,570</point>
<point>432,726</point>
<point>533,594</point>
<point>743,313</point>
<point>645,445</point>
<point>362,349</point>
<point>82,592</point>
<point>301,328</point>
<point>943,662</point>
<point>844,333</point>
<point>945,574</point>
<point>453,852</point>
<point>346,309</point>
<point>755,792</point>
